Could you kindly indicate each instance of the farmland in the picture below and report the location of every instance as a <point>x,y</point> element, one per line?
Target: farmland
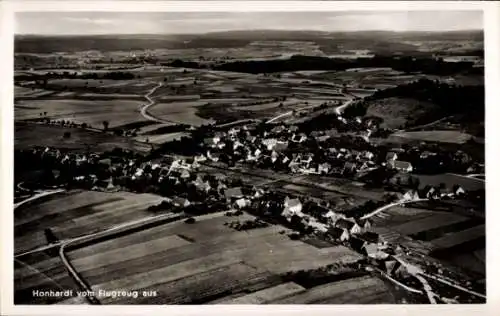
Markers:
<point>27,135</point>
<point>77,213</point>
<point>444,136</point>
<point>201,262</point>
<point>444,234</point>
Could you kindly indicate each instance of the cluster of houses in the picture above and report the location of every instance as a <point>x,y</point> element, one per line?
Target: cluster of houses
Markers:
<point>272,149</point>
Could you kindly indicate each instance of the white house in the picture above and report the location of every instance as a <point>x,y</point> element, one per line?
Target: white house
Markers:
<point>350,226</point>
<point>241,203</point>
<point>324,168</point>
<point>292,207</point>
<point>399,165</point>
<point>411,195</point>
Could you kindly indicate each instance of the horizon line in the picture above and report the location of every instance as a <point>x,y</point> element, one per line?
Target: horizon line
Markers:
<point>250,30</point>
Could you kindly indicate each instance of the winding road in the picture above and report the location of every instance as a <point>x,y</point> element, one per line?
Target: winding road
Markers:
<point>144,108</point>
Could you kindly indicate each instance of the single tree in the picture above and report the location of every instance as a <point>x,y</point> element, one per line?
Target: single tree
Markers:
<point>105,124</point>
<point>67,135</point>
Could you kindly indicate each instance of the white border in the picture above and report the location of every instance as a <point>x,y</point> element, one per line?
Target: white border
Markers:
<point>492,46</point>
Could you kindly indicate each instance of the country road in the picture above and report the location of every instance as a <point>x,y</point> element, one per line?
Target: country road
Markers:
<point>144,108</point>
<point>112,230</point>
<point>37,196</point>
<point>338,110</point>
<point>341,108</point>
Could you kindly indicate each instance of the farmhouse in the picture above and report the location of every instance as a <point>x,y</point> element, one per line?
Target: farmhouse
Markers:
<point>403,166</point>
<point>324,168</point>
<point>292,207</point>
<point>242,202</point>
<point>365,224</point>
<point>350,226</point>
<point>411,195</point>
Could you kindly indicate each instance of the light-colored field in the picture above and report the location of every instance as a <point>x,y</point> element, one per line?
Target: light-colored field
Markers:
<point>444,136</point>
<point>160,139</point>
<point>116,112</point>
<point>201,261</point>
<point>179,112</point>
<point>270,105</point>
<point>77,213</point>
<point>361,290</point>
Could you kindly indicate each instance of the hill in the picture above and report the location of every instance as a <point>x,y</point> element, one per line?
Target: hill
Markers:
<point>397,112</point>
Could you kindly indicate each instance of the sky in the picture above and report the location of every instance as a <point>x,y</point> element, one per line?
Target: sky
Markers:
<point>89,23</point>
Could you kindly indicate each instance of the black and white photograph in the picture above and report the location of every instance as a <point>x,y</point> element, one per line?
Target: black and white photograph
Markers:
<point>232,157</point>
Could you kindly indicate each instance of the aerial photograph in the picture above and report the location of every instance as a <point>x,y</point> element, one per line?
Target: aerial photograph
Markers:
<point>168,158</point>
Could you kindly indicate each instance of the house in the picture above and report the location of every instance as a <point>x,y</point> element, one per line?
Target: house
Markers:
<point>323,138</point>
<point>338,233</point>
<point>332,216</point>
<point>364,167</point>
<point>242,202</point>
<point>349,167</point>
<point>458,191</point>
<point>350,226</point>
<point>365,224</point>
<point>185,174</point>
<point>180,201</point>
<point>367,155</point>
<point>299,138</point>
<point>391,156</point>
<point>293,128</point>
<point>269,143</point>
<point>426,154</point>
<point>278,129</point>
<point>390,266</point>
<point>237,144</point>
<point>411,195</point>
<point>233,193</point>
<point>324,168</point>
<point>292,207</point>
<point>429,192</point>
<point>399,165</point>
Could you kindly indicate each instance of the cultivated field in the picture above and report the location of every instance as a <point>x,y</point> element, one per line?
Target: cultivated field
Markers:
<point>451,237</point>
<point>444,136</point>
<point>28,135</point>
<point>200,262</point>
<point>76,213</point>
<point>179,112</point>
<point>116,112</point>
<point>361,290</point>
